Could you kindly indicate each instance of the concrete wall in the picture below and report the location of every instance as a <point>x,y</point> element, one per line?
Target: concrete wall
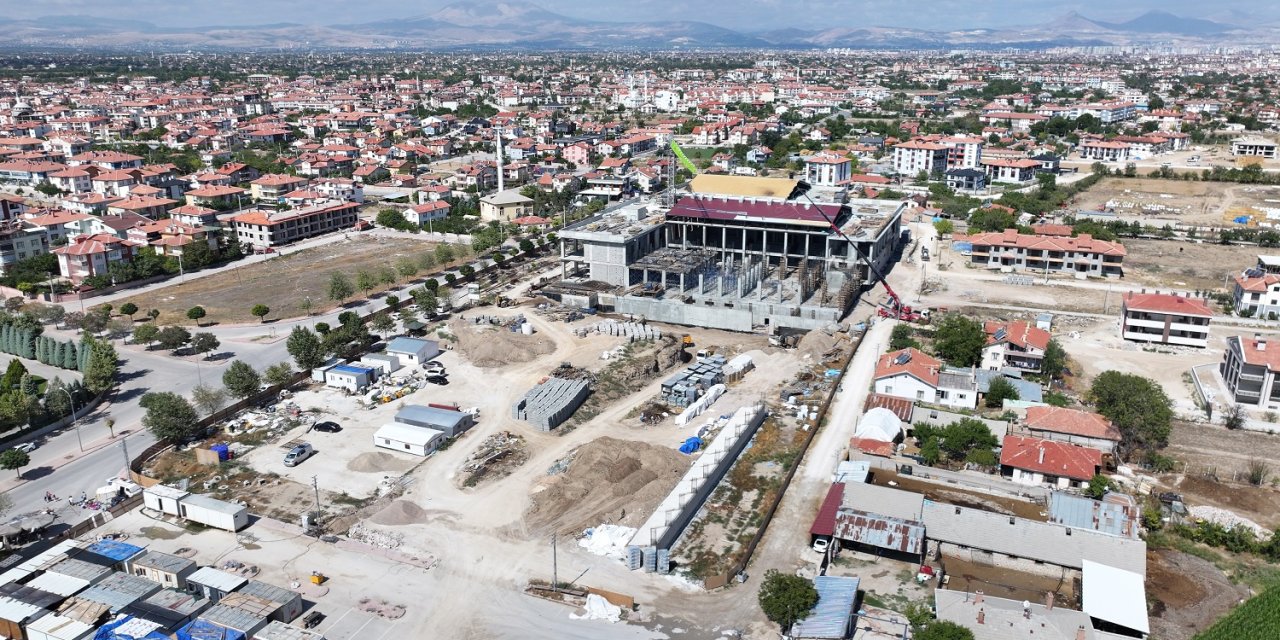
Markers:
<point>743,316</point>
<point>1002,561</point>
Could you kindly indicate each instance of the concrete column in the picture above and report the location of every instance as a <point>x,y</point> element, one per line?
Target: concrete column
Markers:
<point>682,282</point>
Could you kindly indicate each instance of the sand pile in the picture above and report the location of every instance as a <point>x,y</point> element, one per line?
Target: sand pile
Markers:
<point>818,342</point>
<point>606,477</point>
<point>378,462</point>
<point>400,512</point>
<point>495,346</point>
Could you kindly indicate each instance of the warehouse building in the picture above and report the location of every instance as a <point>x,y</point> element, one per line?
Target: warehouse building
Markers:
<point>451,423</point>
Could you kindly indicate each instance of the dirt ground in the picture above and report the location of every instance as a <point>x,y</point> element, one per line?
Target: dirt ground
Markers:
<point>1210,447</point>
<point>1187,594</point>
<point>1185,265</point>
<point>1255,503</point>
<point>1158,202</point>
<point>637,476</point>
<point>1012,585</point>
<point>488,345</point>
<point>281,283</point>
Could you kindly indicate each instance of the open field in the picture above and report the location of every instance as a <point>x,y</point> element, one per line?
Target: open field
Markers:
<point>1154,201</point>
<point>281,283</point>
<point>1187,593</point>
<point>1186,265</point>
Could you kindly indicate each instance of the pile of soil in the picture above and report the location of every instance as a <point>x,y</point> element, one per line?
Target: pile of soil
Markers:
<point>818,342</point>
<point>377,462</point>
<point>399,513</point>
<point>494,346</point>
<point>1188,594</point>
<point>607,477</point>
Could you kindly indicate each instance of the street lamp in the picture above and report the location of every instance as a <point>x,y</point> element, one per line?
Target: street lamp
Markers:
<point>75,424</point>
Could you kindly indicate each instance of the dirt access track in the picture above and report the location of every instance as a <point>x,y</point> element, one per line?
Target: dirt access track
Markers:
<point>1157,202</point>
<point>280,283</point>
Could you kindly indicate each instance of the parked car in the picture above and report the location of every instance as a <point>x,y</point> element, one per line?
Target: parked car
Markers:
<point>26,447</point>
<point>312,619</point>
<point>438,379</point>
<point>434,368</point>
<point>820,545</point>
<point>924,254</point>
<point>327,427</point>
<point>297,454</point>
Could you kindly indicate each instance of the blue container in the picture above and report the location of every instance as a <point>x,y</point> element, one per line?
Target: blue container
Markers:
<point>224,452</point>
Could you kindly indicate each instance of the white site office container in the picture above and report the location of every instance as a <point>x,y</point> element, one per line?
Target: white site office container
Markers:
<point>214,513</point>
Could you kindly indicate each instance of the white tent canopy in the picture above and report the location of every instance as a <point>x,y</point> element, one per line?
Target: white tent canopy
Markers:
<point>879,424</point>
<point>1115,595</point>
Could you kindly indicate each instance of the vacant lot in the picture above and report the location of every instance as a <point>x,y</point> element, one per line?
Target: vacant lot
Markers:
<point>281,283</point>
<point>1157,202</point>
<point>1185,265</point>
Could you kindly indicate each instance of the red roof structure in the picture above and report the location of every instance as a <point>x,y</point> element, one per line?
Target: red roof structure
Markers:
<point>1050,457</point>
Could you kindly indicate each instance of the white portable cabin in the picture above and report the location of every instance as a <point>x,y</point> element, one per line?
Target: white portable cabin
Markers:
<point>164,499</point>
<point>214,513</point>
<point>419,441</point>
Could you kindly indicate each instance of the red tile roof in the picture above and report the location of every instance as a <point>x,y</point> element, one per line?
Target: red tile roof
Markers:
<point>1071,422</point>
<point>1259,284</point>
<point>1258,352</point>
<point>1084,243</point>
<point>872,447</point>
<point>920,366</point>
<point>1019,333</point>
<point>1166,303</point>
<point>1050,457</point>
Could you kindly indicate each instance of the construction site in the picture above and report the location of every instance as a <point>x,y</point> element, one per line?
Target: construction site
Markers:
<point>732,254</point>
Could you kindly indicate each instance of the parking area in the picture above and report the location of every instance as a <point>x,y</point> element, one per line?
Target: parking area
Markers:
<point>353,624</point>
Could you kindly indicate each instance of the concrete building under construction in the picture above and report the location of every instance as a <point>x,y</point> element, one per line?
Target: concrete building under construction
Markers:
<point>732,253</point>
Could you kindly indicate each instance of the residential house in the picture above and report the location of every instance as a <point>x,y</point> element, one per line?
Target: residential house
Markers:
<point>427,212</point>
<point>505,205</point>
<point>19,240</point>
<point>1071,425</point>
<point>1034,461</point>
<point>1249,369</point>
<point>1018,170</point>
<point>1104,151</point>
<point>827,169</point>
<point>1253,147</point>
<point>218,197</point>
<point>1257,295</point>
<point>1014,345</point>
<point>912,158</point>
<point>92,255</point>
<point>1165,319</point>
<point>914,375</point>
<point>194,215</point>
<point>966,179</point>
<point>273,186</point>
<point>1045,254</point>
<point>170,238</point>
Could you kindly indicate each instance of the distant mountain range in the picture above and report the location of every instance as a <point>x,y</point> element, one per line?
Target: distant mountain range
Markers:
<point>513,24</point>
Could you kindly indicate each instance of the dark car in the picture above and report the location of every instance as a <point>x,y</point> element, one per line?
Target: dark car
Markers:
<point>327,427</point>
<point>440,380</point>
<point>312,619</point>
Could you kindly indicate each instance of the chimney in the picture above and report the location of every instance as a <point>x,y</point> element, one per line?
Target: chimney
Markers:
<point>1048,600</point>
<point>982,616</point>
<point>1041,455</point>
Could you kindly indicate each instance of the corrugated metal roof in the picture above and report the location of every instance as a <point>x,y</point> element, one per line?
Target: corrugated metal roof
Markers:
<point>171,603</point>
<point>1086,513</point>
<point>19,611</point>
<point>276,630</point>
<point>824,522</point>
<point>831,617</point>
<point>234,617</point>
<point>270,592</point>
<point>60,584</point>
<point>879,531</point>
<point>120,590</point>
<point>402,344</point>
<point>31,595</point>
<point>76,568</point>
<point>204,630</point>
<point>433,416</point>
<point>165,562</point>
<point>217,579</point>
<point>59,627</point>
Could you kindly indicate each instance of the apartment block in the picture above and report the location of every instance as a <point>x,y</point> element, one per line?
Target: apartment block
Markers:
<point>1010,250</point>
<point>1165,319</point>
<point>1249,368</point>
<point>265,229</point>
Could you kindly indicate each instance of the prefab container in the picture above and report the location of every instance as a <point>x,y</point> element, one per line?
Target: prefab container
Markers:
<point>213,583</point>
<point>163,498</point>
<point>290,601</point>
<point>215,513</point>
<point>405,438</point>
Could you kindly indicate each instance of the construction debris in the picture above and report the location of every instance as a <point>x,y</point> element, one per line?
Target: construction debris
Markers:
<point>496,457</point>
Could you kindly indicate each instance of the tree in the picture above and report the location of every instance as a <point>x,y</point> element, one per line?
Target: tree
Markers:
<point>406,268</point>
<point>12,375</point>
<point>466,271</point>
<point>306,305</point>
<point>366,281</point>
<point>386,275</point>
<point>153,314</point>
<point>339,288</point>
<point>1000,390</point>
<point>1137,406</point>
<point>204,342</point>
<point>128,309</point>
<point>902,337</point>
<point>100,365</point>
<point>944,227</point>
<point>146,333</point>
<point>383,323</point>
<point>241,380</point>
<point>943,630</point>
<point>169,416</point>
<point>195,313</point>
<point>426,300</point>
<point>1234,417</point>
<point>959,340</point>
<point>208,399</point>
<point>14,460</point>
<point>391,300</point>
<point>526,245</point>
<point>1054,361</point>
<point>277,374</point>
<point>957,441</point>
<point>786,598</point>
<point>425,261</point>
<point>304,345</point>
<point>1097,487</point>
<point>444,253</point>
<point>173,337</point>
<point>260,311</point>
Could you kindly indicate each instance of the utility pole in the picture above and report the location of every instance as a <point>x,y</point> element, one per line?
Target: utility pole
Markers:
<point>555,579</point>
<point>128,464</point>
<point>315,485</point>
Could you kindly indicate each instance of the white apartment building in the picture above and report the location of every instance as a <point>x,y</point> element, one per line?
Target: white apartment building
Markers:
<point>1257,296</point>
<point>966,152</point>
<point>1249,368</point>
<point>1047,254</point>
<point>1257,147</point>
<point>1165,319</point>
<point>910,158</point>
<point>827,169</point>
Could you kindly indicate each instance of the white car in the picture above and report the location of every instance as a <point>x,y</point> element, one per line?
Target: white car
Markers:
<point>820,545</point>
<point>26,447</point>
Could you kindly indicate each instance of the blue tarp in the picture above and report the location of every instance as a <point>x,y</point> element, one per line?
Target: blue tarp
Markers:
<point>205,630</point>
<point>1241,220</point>
<point>114,549</point>
<point>691,445</point>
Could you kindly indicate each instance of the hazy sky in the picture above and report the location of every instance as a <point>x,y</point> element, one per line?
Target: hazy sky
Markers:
<point>738,14</point>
